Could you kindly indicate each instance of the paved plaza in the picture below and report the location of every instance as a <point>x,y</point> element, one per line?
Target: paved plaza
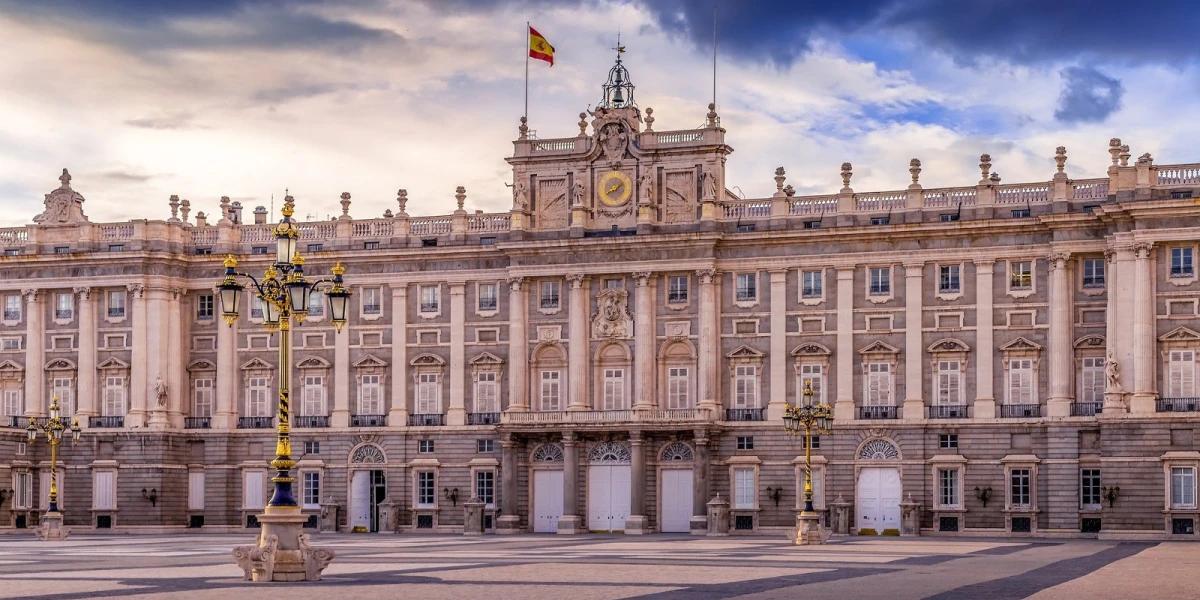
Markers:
<point>532,567</point>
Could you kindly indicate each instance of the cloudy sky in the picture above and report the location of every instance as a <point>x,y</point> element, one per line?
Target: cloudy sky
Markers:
<point>146,98</point>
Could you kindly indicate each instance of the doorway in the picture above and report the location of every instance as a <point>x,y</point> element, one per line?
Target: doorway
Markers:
<point>675,497</point>
<point>877,496</point>
<point>368,488</point>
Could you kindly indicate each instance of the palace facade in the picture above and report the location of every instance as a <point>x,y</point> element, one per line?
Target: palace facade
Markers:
<point>617,350</point>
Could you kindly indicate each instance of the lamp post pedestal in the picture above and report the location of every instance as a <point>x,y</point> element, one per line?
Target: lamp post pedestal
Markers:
<point>51,526</point>
<point>808,529</point>
<point>282,552</point>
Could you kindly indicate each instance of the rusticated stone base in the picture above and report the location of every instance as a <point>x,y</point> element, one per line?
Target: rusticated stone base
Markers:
<point>283,553</point>
<point>808,529</point>
<point>51,527</point>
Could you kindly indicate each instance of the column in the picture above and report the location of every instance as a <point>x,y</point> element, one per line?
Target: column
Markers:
<point>509,521</point>
<point>700,491</point>
<point>1114,397</point>
<point>985,347</point>
<point>457,412</point>
<point>35,354</point>
<point>643,353</point>
<point>843,408</point>
<point>778,358</point>
<point>518,353</point>
<point>227,376</point>
<point>914,346</point>
<point>85,383</point>
<point>1061,351</point>
<point>577,359</point>
<point>710,340</point>
<point>570,521</point>
<point>1144,338</point>
<point>636,523</point>
<point>342,383</point>
<point>176,367</point>
<point>139,367</point>
<point>156,333</point>
<point>1122,287</point>
<point>398,412</point>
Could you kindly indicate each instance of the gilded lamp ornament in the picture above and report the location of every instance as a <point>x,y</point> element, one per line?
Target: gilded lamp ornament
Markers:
<point>807,419</point>
<point>53,428</point>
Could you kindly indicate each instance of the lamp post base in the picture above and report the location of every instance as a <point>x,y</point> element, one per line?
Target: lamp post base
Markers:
<point>282,552</point>
<point>808,529</point>
<point>51,527</point>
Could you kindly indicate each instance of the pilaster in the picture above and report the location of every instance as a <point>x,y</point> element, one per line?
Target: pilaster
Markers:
<point>85,403</point>
<point>342,383</point>
<point>398,412</point>
<point>914,347</point>
<point>1144,338</point>
<point>509,521</point>
<point>570,523</point>
<point>577,351</point>
<point>709,340</point>
<point>700,483</point>
<point>778,359</point>
<point>140,365</point>
<point>227,376</point>
<point>1060,347</point>
<point>843,408</point>
<point>518,354</point>
<point>643,333</point>
<point>636,524</point>
<point>456,414</point>
<point>176,365</point>
<point>35,353</point>
<point>985,399</point>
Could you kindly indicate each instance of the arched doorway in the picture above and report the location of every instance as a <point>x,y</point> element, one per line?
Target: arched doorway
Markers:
<point>609,479</point>
<point>675,488</point>
<point>878,486</point>
<point>368,487</point>
<point>546,478</point>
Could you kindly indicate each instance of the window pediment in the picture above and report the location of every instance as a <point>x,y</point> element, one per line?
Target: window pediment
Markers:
<point>113,362</point>
<point>427,360</point>
<point>879,347</point>
<point>744,354</point>
<point>201,365</point>
<point>486,359</point>
<point>1090,341</point>
<point>811,349</point>
<point>371,361</point>
<point>313,362</point>
<point>948,345</point>
<point>60,364</point>
<point>1021,345</point>
<point>1180,334</point>
<point>9,366</point>
<point>257,364</point>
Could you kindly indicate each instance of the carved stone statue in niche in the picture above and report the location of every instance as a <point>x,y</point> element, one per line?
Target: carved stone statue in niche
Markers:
<point>708,184</point>
<point>646,189</point>
<point>612,319</point>
<point>577,194</point>
<point>520,197</point>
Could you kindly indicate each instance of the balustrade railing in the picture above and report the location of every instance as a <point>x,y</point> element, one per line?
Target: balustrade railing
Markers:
<point>106,422</point>
<point>639,415</point>
<point>430,225</point>
<point>1177,405</point>
<point>745,414</point>
<point>814,205</point>
<point>116,231</point>
<point>310,421</point>
<point>950,197</point>
<point>368,420</point>
<point>485,418</point>
<point>204,236</point>
<point>1020,411</point>
<point>1091,189</point>
<point>484,223</point>
<point>878,412</point>
<point>255,422</point>
<point>257,233</point>
<point>948,411</point>
<point>373,228</point>
<point>746,209</point>
<point>877,201</point>
<point>1086,409</point>
<point>1022,193</point>
<point>666,138</point>
<point>14,235</point>
<point>1179,174</point>
<point>426,420</point>
<point>197,422</point>
<point>555,145</point>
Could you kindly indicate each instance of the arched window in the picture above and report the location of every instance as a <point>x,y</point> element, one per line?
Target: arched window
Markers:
<point>612,377</point>
<point>677,374</point>
<point>549,379</point>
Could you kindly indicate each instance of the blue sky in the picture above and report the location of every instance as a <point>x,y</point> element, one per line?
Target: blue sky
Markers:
<point>143,99</point>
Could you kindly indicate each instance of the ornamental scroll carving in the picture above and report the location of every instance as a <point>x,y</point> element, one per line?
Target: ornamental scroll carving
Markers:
<point>612,319</point>
<point>64,206</point>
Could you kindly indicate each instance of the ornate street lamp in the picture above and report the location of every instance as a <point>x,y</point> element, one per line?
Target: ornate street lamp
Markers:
<point>53,428</point>
<point>806,420</point>
<point>284,293</point>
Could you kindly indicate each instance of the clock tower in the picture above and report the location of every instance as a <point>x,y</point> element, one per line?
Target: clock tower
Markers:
<point>622,175</point>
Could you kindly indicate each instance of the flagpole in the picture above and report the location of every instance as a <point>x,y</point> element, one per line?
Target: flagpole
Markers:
<point>527,72</point>
<point>714,77</point>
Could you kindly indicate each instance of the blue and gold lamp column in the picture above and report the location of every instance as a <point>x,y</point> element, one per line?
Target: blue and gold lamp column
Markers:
<point>53,428</point>
<point>806,420</point>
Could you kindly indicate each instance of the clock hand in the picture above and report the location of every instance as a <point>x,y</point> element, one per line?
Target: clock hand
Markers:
<point>614,187</point>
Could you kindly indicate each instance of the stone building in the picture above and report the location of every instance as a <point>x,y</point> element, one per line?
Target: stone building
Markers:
<point>618,349</point>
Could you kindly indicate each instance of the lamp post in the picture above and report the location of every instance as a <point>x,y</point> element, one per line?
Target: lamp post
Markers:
<point>54,427</point>
<point>806,420</point>
<point>284,292</point>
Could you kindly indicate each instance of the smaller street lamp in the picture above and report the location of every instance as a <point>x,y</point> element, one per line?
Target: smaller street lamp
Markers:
<point>807,419</point>
<point>53,428</point>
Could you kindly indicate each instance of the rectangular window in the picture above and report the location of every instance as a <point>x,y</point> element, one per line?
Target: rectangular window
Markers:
<point>745,386</point>
<point>1021,275</point>
<point>312,489</point>
<point>12,308</point>
<point>116,304</point>
<point>614,389</point>
<point>1092,379</point>
<point>1020,213</point>
<point>258,396</point>
<point>613,283</point>
<point>256,307</point>
<point>425,446</point>
<point>103,497</point>
<point>316,304</point>
<point>881,220</point>
<point>746,287</point>
<point>488,299</point>
<point>1020,381</point>
<point>550,390</point>
<point>1181,262</point>
<point>1181,374</point>
<point>63,388</point>
<point>677,289</point>
<point>1183,487</point>
<point>312,401</point>
<point>743,488</point>
<point>204,307</point>
<point>64,306</point>
<point>370,395</point>
<point>252,489</point>
<point>948,440</point>
<point>949,382</point>
<point>948,487</point>
<point>10,343</point>
<point>429,394</point>
<point>879,384</point>
<point>1093,272</point>
<point>202,397</point>
<point>548,298</point>
<point>486,396</point>
<point>811,376</point>
<point>11,403</point>
<point>1089,488</point>
<point>880,281</point>
<point>426,489</point>
<point>430,298</point>
<point>315,247</point>
<point>113,403</point>
<point>312,447</point>
<point>745,442</point>
<point>811,284</point>
<point>677,387</point>
<point>485,446</point>
<point>23,490</point>
<point>195,490</point>
<point>485,487</point>
<point>372,303</point>
<point>1018,488</point>
<point>949,279</point>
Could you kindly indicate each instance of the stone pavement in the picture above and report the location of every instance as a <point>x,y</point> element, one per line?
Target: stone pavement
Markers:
<point>533,567</point>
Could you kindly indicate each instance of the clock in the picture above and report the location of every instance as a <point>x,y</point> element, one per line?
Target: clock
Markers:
<point>615,188</point>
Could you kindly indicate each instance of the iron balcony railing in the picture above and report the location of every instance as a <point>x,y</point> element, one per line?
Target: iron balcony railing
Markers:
<point>255,422</point>
<point>878,412</point>
<point>311,421</point>
<point>426,420</point>
<point>744,414</point>
<point>1018,411</point>
<point>106,422</point>
<point>948,411</point>
<point>1177,405</point>
<point>1086,409</point>
<point>483,418</point>
<point>197,422</point>
<point>368,420</point>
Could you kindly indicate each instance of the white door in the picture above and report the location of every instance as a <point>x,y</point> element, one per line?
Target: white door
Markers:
<point>878,499</point>
<point>608,497</point>
<point>360,499</point>
<point>676,501</point>
<point>547,500</point>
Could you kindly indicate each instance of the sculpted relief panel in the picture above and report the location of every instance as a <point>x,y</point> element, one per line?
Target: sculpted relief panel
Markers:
<point>612,319</point>
<point>678,201</point>
<point>552,203</point>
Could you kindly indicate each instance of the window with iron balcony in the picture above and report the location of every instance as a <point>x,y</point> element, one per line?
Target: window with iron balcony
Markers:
<point>746,287</point>
<point>677,289</point>
<point>549,297</point>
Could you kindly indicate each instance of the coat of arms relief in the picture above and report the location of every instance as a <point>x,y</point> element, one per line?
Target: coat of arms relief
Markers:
<point>612,319</point>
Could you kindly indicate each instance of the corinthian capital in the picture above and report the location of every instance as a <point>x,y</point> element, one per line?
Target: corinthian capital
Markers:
<point>576,280</point>
<point>84,292</point>
<point>31,294</point>
<point>137,289</point>
<point>514,283</point>
<point>706,276</point>
<point>642,279</point>
<point>1058,260</point>
<point>1143,249</point>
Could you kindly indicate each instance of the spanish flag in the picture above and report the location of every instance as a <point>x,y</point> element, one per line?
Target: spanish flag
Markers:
<point>539,48</point>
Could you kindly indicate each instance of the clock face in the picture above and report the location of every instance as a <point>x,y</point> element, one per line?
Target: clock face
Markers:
<point>615,188</point>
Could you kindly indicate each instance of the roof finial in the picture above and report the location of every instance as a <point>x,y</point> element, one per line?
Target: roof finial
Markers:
<point>65,178</point>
